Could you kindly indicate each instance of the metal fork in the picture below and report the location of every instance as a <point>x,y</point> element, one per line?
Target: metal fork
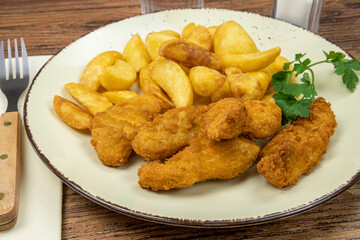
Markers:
<point>10,132</point>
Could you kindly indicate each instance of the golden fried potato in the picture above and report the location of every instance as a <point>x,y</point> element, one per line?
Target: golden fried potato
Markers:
<point>232,70</point>
<point>206,81</point>
<point>231,38</point>
<point>119,96</point>
<point>268,96</point>
<point>170,33</point>
<point>277,66</point>
<point>200,36</point>
<point>119,76</point>
<point>173,80</point>
<point>71,114</point>
<point>252,85</point>
<point>90,76</point>
<point>91,100</point>
<point>153,41</point>
<point>223,92</point>
<point>212,30</point>
<point>189,54</point>
<point>136,54</point>
<point>250,61</point>
<point>186,30</point>
<point>149,87</point>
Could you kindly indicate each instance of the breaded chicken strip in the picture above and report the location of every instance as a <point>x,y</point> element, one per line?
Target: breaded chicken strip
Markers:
<point>114,129</point>
<point>295,149</point>
<point>169,132</point>
<point>201,161</point>
<point>230,117</point>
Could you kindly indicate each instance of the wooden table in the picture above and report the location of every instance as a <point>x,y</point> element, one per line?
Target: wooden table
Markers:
<point>50,25</point>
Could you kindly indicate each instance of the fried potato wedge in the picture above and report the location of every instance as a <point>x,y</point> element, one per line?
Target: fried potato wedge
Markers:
<point>149,87</point>
<point>186,30</point>
<point>189,54</point>
<point>232,70</point>
<point>200,36</point>
<point>171,33</point>
<point>277,66</point>
<point>71,114</point>
<point>173,80</point>
<point>250,62</point>
<point>119,96</point>
<point>91,100</point>
<point>90,76</point>
<point>136,54</point>
<point>153,41</point>
<point>231,38</point>
<point>119,76</point>
<point>250,86</point>
<point>206,81</point>
<point>212,30</point>
<point>223,92</point>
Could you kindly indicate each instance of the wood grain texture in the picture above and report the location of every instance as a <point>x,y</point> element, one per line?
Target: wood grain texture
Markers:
<point>49,25</point>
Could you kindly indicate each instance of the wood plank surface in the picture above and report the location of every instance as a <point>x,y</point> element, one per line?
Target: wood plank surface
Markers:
<point>50,25</point>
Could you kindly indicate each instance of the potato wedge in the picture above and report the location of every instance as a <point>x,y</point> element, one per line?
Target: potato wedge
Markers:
<point>153,41</point>
<point>171,33</point>
<point>232,70</point>
<point>212,30</point>
<point>136,54</point>
<point>71,114</point>
<point>90,76</point>
<point>189,54</point>
<point>149,87</point>
<point>231,38</point>
<point>251,85</point>
<point>186,30</point>
<point>251,61</point>
<point>277,66</point>
<point>223,92</point>
<point>91,100</point>
<point>206,81</point>
<point>200,36</point>
<point>119,76</point>
<point>173,80</point>
<point>119,96</point>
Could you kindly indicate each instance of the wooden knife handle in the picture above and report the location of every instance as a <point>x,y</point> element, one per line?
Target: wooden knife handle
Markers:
<point>10,137</point>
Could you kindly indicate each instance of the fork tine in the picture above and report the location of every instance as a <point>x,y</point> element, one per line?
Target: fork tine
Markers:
<point>17,66</point>
<point>10,60</point>
<point>24,59</point>
<point>2,62</point>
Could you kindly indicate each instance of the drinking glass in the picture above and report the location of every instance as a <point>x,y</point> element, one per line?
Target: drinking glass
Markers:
<point>148,6</point>
<point>303,13</point>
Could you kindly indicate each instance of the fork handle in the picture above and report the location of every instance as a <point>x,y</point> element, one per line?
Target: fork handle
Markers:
<point>10,137</point>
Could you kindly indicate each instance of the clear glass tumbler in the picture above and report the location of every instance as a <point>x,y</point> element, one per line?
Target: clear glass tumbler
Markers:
<point>303,13</point>
<point>148,6</point>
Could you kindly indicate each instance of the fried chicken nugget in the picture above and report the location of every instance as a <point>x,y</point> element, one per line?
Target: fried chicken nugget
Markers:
<point>114,129</point>
<point>230,117</point>
<point>297,148</point>
<point>202,160</point>
<point>169,132</point>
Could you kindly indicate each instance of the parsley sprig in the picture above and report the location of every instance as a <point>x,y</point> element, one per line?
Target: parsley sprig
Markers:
<point>295,99</point>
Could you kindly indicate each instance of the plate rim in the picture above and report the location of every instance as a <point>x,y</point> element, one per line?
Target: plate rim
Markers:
<point>227,223</point>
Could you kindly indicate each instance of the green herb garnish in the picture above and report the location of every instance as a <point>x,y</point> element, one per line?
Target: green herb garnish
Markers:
<point>2,195</point>
<point>295,99</point>
<point>7,123</point>
<point>4,156</point>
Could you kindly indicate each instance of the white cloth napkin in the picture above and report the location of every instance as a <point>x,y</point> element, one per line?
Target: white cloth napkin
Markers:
<point>40,192</point>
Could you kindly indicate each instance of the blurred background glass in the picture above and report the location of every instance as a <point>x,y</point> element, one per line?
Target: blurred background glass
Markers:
<point>148,6</point>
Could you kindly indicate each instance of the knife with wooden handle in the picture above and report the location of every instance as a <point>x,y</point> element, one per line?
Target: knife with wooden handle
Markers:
<point>10,137</point>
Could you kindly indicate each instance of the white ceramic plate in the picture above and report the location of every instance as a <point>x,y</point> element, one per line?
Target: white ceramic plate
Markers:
<point>247,199</point>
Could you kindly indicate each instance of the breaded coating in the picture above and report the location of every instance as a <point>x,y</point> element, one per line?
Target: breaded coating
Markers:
<point>202,160</point>
<point>296,148</point>
<point>169,132</point>
<point>114,129</point>
<point>230,117</point>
